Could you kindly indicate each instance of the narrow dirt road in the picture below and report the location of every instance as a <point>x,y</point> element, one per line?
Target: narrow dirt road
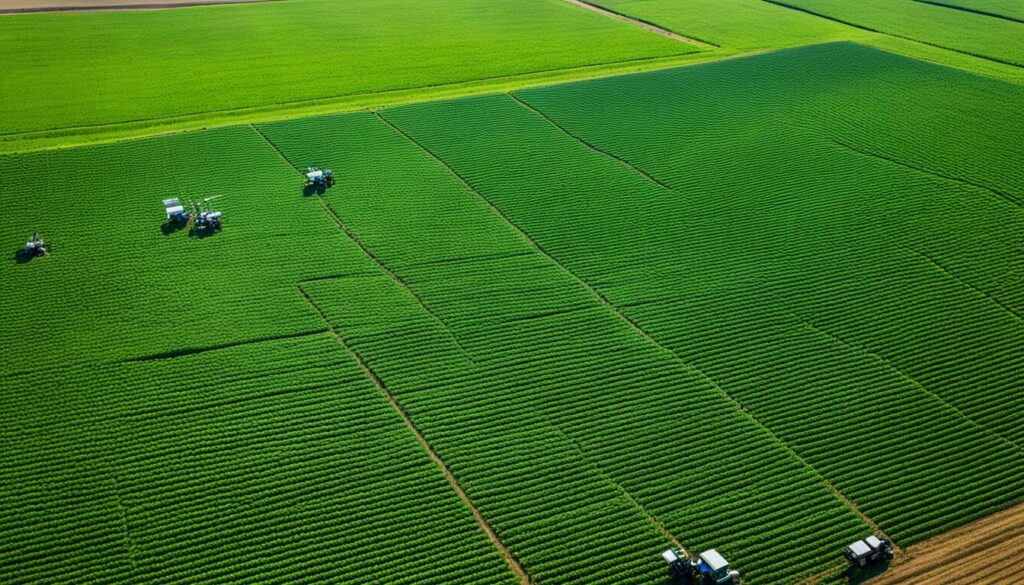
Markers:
<point>640,23</point>
<point>989,550</point>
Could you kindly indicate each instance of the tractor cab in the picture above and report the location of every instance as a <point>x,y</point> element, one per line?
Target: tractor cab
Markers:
<point>319,178</point>
<point>710,569</point>
<point>35,246</point>
<point>714,568</point>
<point>868,551</point>
<point>176,214</point>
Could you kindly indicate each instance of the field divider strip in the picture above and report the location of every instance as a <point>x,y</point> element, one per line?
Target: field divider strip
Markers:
<point>369,253</point>
<point>971,10</point>
<point>942,267</point>
<point>590,145</point>
<point>1008,197</point>
<point>781,4</point>
<point>648,337</point>
<point>492,535</point>
<point>644,24</point>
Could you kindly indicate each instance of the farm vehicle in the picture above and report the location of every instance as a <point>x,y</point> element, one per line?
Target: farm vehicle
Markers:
<point>870,551</point>
<point>710,568</point>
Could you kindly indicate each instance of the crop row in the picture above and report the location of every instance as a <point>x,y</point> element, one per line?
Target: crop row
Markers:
<point>722,266</point>
<point>282,463</point>
<point>557,409</point>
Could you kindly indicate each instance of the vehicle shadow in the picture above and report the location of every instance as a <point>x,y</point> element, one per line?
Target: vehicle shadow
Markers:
<point>310,190</point>
<point>202,232</point>
<point>22,256</point>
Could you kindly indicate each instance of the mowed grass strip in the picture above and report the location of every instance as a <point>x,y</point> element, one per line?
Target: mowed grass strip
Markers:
<point>101,68</point>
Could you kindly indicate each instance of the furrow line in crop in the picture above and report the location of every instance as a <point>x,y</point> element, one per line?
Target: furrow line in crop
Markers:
<point>629,497</point>
<point>126,527</point>
<point>896,36</point>
<point>934,262</point>
<point>482,522</point>
<point>1008,197</point>
<point>968,9</point>
<point>369,254</point>
<point>592,146</point>
<point>604,300</point>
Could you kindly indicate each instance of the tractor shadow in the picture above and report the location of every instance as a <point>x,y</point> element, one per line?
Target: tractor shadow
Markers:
<point>310,190</point>
<point>23,256</point>
<point>851,576</point>
<point>202,232</point>
<point>170,228</point>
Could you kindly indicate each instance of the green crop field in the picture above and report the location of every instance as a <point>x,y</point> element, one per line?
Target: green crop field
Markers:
<point>763,293</point>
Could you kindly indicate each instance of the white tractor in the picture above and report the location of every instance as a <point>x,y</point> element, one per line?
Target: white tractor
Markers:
<point>319,179</point>
<point>869,551</point>
<point>176,214</point>
<point>35,246</point>
<point>710,568</point>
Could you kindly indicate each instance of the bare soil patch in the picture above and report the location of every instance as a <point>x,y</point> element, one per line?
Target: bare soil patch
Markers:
<point>642,24</point>
<point>23,6</point>
<point>989,550</point>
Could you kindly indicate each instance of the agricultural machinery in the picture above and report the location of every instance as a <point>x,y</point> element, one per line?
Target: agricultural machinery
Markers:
<point>709,569</point>
<point>35,246</point>
<point>318,180</point>
<point>205,219</point>
<point>869,551</point>
<point>176,215</point>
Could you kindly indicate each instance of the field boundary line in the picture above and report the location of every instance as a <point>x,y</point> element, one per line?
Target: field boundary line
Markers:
<point>510,559</point>
<point>971,10</point>
<point>644,24</point>
<point>369,254</point>
<point>640,507</point>
<point>672,355</point>
<point>1008,197</point>
<point>591,146</point>
<point>941,267</point>
<point>781,4</point>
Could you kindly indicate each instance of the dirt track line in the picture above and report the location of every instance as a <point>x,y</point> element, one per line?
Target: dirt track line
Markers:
<point>639,507</point>
<point>1009,198</point>
<point>972,546</point>
<point>369,254</point>
<point>950,274</point>
<point>591,146</point>
<point>167,355</point>
<point>971,10</point>
<point>600,297</point>
<point>889,34</point>
<point>513,563</point>
<point>649,26</point>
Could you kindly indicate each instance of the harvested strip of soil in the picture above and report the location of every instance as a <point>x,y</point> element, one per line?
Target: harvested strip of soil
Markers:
<point>638,22</point>
<point>985,551</point>
<point>24,6</point>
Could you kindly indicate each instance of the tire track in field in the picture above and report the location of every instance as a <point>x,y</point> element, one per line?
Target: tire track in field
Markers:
<point>513,563</point>
<point>646,25</point>
<point>1005,196</point>
<point>971,10</point>
<point>670,354</point>
<point>369,254</point>
<point>590,145</point>
<point>942,268</point>
<point>781,4</point>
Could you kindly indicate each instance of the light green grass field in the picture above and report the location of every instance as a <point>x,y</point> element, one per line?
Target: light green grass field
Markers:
<point>71,70</point>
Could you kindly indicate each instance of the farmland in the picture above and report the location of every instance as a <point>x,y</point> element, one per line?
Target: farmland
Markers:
<point>767,302</point>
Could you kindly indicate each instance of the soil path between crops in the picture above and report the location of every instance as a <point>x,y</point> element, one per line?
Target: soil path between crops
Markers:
<point>641,23</point>
<point>984,551</point>
<point>27,6</point>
